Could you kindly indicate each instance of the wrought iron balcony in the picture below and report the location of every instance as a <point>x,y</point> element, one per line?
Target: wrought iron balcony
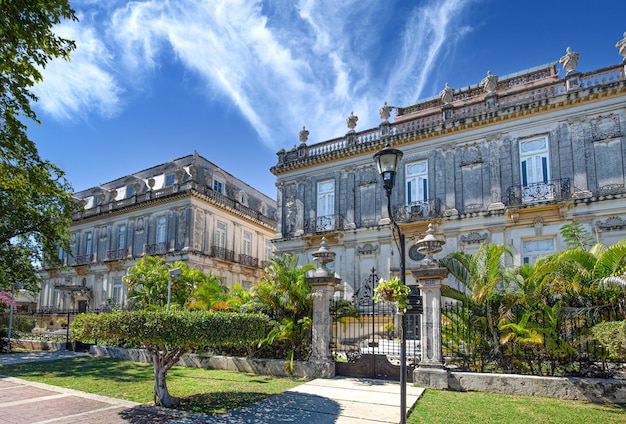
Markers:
<point>323,224</point>
<point>116,255</point>
<point>552,191</point>
<point>222,253</point>
<point>417,211</point>
<point>83,259</point>
<point>157,248</point>
<point>248,260</point>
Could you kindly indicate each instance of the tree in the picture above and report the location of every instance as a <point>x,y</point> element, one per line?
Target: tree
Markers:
<point>148,279</point>
<point>168,335</point>
<point>35,199</point>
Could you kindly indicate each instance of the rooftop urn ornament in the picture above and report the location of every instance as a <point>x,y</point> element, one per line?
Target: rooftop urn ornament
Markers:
<point>303,135</point>
<point>621,47</point>
<point>323,256</point>
<point>489,83</point>
<point>429,245</point>
<point>447,94</point>
<point>351,121</point>
<point>385,112</point>
<point>569,60</point>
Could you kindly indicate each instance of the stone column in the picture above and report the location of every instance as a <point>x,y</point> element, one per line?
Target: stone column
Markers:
<point>429,276</point>
<point>323,283</point>
<point>431,372</point>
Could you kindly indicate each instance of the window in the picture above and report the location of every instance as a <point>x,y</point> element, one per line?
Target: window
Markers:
<point>220,235</point>
<point>96,201</point>
<point>535,248</point>
<point>121,237</point>
<point>325,205</point>
<point>161,229</point>
<point>88,243</point>
<point>117,291</point>
<point>243,198</point>
<point>417,182</point>
<point>130,191</point>
<point>247,243</point>
<point>169,179</point>
<point>218,185</point>
<point>268,250</point>
<point>534,166</point>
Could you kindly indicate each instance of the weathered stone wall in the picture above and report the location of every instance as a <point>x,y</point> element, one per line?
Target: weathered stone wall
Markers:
<point>589,389</point>
<point>275,367</point>
<point>37,345</point>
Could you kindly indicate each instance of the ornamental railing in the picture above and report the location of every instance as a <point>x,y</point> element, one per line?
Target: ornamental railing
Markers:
<point>248,260</point>
<point>222,253</point>
<point>418,211</point>
<point>83,259</point>
<point>323,224</point>
<point>116,255</point>
<point>156,248</point>
<point>551,191</point>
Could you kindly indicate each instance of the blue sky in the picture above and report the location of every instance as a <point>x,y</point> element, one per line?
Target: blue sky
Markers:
<point>236,80</point>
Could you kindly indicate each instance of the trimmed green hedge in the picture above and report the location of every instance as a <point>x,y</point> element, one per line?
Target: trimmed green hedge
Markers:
<point>176,328</point>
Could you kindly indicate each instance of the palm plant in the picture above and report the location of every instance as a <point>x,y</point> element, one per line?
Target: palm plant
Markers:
<point>483,275</point>
<point>285,296</point>
<point>208,293</point>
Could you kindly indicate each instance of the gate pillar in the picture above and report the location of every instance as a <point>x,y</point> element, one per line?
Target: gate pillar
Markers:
<point>430,372</point>
<point>323,283</point>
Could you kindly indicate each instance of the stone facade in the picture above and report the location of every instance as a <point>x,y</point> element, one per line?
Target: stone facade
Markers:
<point>510,165</point>
<point>186,210</point>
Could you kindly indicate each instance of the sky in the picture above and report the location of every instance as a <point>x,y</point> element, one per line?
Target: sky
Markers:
<point>236,80</point>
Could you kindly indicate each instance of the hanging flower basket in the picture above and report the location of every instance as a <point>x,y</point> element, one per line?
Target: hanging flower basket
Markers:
<point>393,291</point>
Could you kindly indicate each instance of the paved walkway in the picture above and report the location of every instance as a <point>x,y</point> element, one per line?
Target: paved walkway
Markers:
<point>320,401</point>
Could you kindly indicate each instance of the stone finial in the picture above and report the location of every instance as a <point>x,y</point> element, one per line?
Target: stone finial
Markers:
<point>385,112</point>
<point>303,135</point>
<point>323,256</point>
<point>569,60</point>
<point>430,244</point>
<point>621,46</point>
<point>489,83</point>
<point>447,95</point>
<point>351,121</point>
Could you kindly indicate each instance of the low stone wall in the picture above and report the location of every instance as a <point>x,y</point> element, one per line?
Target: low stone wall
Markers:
<point>308,370</point>
<point>37,345</point>
<point>597,390</point>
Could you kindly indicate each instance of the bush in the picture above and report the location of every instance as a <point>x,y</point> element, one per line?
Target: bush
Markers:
<point>612,336</point>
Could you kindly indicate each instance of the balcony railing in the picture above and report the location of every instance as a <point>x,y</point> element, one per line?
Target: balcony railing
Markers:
<point>222,253</point>
<point>417,211</point>
<point>323,224</point>
<point>116,255</point>
<point>157,248</point>
<point>552,191</point>
<point>83,259</point>
<point>248,260</point>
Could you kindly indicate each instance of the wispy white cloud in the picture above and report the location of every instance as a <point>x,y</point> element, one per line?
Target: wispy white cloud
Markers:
<point>280,65</point>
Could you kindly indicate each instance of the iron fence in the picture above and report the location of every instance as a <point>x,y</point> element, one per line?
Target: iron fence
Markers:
<point>551,341</point>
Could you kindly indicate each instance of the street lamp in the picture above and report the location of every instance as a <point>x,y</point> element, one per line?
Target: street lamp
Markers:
<point>174,273</point>
<point>387,161</point>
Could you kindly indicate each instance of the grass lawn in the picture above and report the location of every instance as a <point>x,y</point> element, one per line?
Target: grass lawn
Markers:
<point>216,392</point>
<point>202,391</point>
<point>477,407</point>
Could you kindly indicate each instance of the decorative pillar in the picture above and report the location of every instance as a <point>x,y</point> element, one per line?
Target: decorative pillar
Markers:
<point>430,372</point>
<point>323,283</point>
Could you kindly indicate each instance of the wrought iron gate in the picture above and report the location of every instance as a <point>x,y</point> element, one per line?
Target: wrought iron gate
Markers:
<point>366,335</point>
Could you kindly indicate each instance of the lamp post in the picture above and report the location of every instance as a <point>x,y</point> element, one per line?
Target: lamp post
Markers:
<point>387,161</point>
<point>174,273</point>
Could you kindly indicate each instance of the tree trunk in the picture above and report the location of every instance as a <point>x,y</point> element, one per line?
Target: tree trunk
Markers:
<point>162,396</point>
<point>162,360</point>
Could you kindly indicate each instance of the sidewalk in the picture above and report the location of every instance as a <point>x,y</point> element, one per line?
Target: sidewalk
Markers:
<point>320,401</point>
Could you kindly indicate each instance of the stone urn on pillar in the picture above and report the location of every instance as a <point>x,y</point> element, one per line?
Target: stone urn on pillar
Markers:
<point>429,276</point>
<point>323,283</point>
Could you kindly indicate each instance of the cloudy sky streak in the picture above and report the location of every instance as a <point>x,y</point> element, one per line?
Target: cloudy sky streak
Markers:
<point>281,67</point>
